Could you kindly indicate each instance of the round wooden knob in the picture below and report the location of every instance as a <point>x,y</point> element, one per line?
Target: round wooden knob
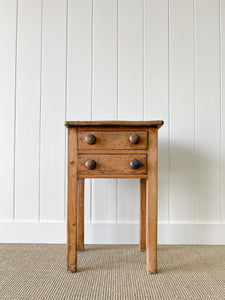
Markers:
<point>135,164</point>
<point>90,164</point>
<point>134,138</point>
<point>90,139</point>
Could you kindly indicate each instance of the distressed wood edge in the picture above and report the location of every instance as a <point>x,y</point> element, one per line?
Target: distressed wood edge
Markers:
<point>154,123</point>
<point>88,176</point>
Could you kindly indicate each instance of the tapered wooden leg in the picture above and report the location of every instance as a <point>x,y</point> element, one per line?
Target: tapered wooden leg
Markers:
<point>72,201</point>
<point>151,202</point>
<point>80,243</point>
<point>142,227</point>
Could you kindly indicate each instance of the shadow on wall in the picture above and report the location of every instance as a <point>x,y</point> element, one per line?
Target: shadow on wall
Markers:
<point>189,184</point>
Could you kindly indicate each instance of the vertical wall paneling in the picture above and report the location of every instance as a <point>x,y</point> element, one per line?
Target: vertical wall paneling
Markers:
<point>128,200</point>
<point>156,105</point>
<point>208,110</point>
<point>182,100</point>
<point>27,110</point>
<point>130,92</point>
<point>53,110</point>
<point>8,16</point>
<point>104,98</point>
<point>130,64</point>
<point>102,60</point>
<point>222,69</point>
<point>79,60</point>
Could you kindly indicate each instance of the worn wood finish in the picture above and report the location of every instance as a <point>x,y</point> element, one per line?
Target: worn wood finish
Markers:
<point>109,151</point>
<point>113,140</point>
<point>111,164</point>
<point>156,124</point>
<point>88,175</point>
<point>151,202</point>
<point>72,201</point>
<point>142,228</point>
<point>113,149</point>
<point>80,241</point>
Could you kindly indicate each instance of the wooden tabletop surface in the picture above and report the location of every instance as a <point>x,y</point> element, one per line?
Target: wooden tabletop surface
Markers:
<point>156,124</point>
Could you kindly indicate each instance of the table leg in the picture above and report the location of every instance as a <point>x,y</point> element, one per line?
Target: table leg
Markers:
<point>151,202</point>
<point>72,201</point>
<point>142,227</point>
<point>80,243</point>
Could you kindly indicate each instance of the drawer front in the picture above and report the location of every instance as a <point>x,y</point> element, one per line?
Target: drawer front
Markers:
<point>115,140</point>
<point>116,164</point>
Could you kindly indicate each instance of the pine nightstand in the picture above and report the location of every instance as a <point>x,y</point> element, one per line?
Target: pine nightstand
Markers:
<point>113,149</point>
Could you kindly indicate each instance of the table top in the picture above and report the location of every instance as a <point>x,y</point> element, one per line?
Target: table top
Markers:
<point>156,124</point>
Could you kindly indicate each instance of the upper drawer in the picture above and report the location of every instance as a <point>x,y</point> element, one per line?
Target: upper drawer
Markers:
<point>114,140</point>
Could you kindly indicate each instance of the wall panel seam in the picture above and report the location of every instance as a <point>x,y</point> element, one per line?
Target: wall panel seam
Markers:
<point>40,117</point>
<point>195,127</point>
<point>169,116</point>
<point>143,60</point>
<point>15,96</point>
<point>220,70</point>
<point>117,93</point>
<point>66,106</point>
<point>92,53</point>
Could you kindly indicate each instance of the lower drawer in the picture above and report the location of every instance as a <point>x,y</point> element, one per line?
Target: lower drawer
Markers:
<point>116,164</point>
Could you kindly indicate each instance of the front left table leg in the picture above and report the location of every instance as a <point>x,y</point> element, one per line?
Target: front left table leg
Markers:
<point>72,201</point>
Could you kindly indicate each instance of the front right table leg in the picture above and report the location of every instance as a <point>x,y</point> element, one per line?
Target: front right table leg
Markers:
<point>151,201</point>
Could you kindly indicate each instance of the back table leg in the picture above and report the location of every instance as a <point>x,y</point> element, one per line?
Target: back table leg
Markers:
<point>80,242</point>
<point>142,227</point>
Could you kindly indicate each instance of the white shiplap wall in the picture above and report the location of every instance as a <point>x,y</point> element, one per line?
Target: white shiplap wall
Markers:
<point>107,60</point>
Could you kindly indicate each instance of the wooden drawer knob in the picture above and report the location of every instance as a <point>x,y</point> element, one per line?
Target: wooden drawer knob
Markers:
<point>134,138</point>
<point>90,164</point>
<point>90,139</point>
<point>135,164</point>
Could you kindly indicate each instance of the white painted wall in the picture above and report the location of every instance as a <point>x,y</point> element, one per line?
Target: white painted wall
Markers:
<point>107,60</point>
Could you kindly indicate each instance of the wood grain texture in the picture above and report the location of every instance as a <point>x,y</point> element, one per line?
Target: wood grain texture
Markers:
<point>88,175</point>
<point>112,140</point>
<point>80,240</point>
<point>156,124</point>
<point>111,164</point>
<point>72,201</point>
<point>151,202</point>
<point>109,151</point>
<point>142,228</point>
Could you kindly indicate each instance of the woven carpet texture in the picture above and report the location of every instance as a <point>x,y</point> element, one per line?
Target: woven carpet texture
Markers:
<point>37,271</point>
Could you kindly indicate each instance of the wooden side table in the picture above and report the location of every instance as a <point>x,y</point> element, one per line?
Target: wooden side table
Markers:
<point>113,149</point>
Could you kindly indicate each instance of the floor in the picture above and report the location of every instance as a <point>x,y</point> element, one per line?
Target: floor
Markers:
<point>37,271</point>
